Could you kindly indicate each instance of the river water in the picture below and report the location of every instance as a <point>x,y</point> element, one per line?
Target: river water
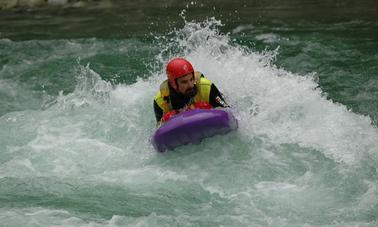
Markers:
<point>76,117</point>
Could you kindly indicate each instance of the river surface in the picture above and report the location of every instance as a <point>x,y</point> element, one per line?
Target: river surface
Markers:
<point>76,117</point>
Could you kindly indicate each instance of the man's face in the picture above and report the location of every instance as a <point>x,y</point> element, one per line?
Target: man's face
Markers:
<point>185,84</point>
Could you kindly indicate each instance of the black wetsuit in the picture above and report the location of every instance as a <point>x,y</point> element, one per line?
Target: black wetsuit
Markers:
<point>179,100</point>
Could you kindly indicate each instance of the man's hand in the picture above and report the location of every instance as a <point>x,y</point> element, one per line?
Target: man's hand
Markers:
<point>168,115</point>
<point>202,105</point>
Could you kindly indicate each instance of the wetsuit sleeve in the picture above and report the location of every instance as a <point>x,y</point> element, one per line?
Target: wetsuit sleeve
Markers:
<point>216,99</point>
<point>158,112</point>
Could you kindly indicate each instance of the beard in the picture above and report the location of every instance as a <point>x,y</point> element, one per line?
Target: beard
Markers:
<point>191,92</point>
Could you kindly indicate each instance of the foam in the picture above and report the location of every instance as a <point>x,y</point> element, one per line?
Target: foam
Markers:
<point>41,217</point>
<point>286,107</point>
<point>99,135</point>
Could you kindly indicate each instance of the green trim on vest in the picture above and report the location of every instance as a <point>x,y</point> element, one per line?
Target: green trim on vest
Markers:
<point>203,92</point>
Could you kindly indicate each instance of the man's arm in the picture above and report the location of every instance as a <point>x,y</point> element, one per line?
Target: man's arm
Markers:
<point>216,99</point>
<point>158,112</point>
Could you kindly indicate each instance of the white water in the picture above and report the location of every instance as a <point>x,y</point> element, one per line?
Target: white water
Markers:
<point>297,158</point>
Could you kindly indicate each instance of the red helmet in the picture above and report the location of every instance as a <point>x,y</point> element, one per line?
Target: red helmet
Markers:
<point>176,68</point>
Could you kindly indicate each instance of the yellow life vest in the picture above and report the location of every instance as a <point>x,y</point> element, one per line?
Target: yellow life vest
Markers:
<point>203,92</point>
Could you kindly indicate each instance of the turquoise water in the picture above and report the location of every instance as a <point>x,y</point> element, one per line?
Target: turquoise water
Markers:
<point>76,119</point>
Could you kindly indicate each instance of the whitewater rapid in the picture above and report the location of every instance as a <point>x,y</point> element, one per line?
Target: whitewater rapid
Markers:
<point>85,158</point>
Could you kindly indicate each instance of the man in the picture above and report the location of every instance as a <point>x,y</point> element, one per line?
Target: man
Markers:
<point>185,89</point>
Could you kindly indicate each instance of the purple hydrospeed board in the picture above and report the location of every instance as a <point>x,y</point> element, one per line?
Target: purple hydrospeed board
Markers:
<point>192,126</point>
